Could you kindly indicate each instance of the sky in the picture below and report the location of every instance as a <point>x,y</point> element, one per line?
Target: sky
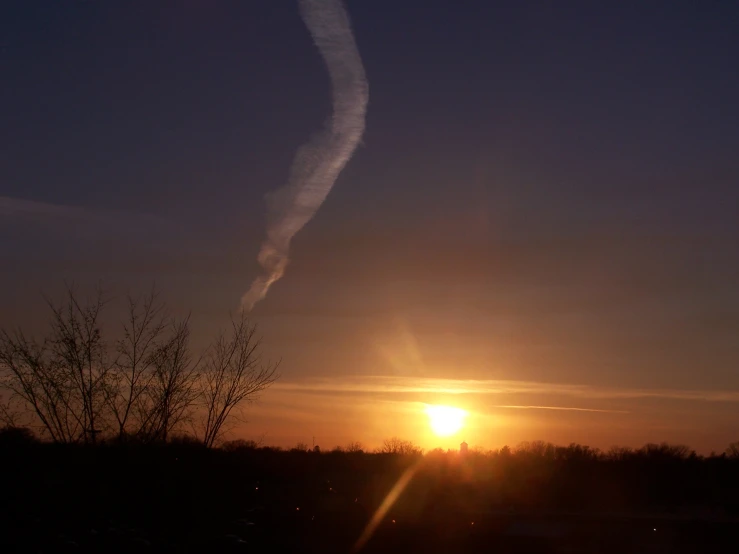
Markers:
<point>538,226</point>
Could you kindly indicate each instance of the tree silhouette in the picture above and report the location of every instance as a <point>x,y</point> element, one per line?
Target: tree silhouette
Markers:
<point>732,451</point>
<point>74,386</point>
<point>395,445</point>
<point>233,374</point>
<point>61,380</point>
<point>172,393</point>
<point>354,447</point>
<point>133,371</point>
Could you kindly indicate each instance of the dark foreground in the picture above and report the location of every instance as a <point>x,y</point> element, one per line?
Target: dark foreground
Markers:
<point>178,498</point>
<point>282,533</point>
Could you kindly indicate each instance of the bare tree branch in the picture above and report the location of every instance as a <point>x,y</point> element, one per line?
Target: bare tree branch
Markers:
<point>233,374</point>
<point>78,360</point>
<point>133,369</point>
<point>77,387</point>
<point>172,392</point>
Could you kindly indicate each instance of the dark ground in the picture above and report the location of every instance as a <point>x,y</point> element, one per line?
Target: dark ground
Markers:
<point>181,498</point>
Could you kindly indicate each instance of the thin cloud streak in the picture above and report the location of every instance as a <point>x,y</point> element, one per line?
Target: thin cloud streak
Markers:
<point>20,208</point>
<point>566,408</point>
<point>396,384</point>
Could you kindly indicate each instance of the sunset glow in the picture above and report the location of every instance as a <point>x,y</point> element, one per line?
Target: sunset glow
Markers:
<point>494,265</point>
<point>445,420</point>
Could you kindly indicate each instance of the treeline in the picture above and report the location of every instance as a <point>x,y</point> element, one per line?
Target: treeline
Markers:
<point>535,449</point>
<point>183,494</point>
<point>530,476</point>
<point>142,381</point>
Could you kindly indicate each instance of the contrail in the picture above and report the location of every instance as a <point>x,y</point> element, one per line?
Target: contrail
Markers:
<point>317,163</point>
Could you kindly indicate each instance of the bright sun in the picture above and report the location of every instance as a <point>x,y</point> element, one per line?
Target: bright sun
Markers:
<point>445,420</point>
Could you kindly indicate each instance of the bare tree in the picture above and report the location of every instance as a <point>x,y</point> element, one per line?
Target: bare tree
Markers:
<point>74,386</point>
<point>153,385</point>
<point>354,448</point>
<point>242,444</point>
<point>233,374</point>
<point>79,352</point>
<point>62,379</point>
<point>173,390</point>
<point>134,368</point>
<point>394,445</point>
<point>10,415</point>
<point>30,380</point>
<point>732,451</point>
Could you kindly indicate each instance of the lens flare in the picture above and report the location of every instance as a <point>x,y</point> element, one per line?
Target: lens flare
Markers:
<point>387,503</point>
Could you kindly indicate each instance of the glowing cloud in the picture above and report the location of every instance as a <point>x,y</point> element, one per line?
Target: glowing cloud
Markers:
<point>317,163</point>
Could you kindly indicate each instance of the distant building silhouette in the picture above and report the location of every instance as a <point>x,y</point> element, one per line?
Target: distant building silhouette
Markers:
<point>464,448</point>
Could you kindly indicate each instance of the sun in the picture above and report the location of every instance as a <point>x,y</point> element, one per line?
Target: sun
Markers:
<point>445,420</point>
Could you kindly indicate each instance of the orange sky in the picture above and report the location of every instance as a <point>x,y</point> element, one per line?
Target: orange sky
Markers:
<point>602,377</point>
<point>369,409</point>
<point>594,379</point>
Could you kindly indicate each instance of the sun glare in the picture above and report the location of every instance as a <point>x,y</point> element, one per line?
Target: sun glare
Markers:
<point>445,420</point>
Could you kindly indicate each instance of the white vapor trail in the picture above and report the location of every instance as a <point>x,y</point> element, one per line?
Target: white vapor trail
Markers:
<point>317,163</point>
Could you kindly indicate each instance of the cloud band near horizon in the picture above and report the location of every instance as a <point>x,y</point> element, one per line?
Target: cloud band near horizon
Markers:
<point>411,385</point>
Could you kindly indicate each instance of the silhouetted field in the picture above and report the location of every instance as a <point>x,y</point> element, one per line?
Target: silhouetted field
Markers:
<point>181,497</point>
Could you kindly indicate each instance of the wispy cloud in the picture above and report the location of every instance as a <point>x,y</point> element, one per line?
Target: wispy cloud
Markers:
<point>319,162</point>
<point>20,208</point>
<point>398,384</point>
<point>566,408</point>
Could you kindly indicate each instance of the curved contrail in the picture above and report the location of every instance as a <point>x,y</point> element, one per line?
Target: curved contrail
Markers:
<point>317,163</point>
